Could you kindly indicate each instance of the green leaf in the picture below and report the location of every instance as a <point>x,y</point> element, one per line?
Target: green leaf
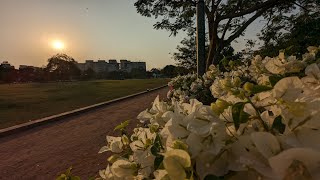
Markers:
<point>238,115</point>
<point>158,162</point>
<point>122,125</point>
<point>75,178</point>
<point>274,79</point>
<point>278,125</point>
<point>155,149</point>
<point>213,177</point>
<point>259,88</point>
<point>68,171</point>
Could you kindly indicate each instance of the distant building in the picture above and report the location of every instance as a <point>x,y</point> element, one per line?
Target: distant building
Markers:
<point>25,67</point>
<point>102,66</point>
<point>128,66</point>
<point>6,65</point>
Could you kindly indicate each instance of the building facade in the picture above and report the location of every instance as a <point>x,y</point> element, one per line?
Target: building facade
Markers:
<point>128,66</point>
<point>102,66</point>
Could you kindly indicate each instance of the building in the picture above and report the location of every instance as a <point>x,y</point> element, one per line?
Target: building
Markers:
<point>23,67</point>
<point>6,65</point>
<point>101,66</point>
<point>128,66</point>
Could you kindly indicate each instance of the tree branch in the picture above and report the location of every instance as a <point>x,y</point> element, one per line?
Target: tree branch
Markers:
<point>230,19</point>
<point>225,29</point>
<point>268,4</point>
<point>245,25</point>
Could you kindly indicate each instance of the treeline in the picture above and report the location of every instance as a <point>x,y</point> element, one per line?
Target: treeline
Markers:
<point>62,67</point>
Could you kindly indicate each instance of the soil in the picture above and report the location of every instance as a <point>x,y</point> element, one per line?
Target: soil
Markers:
<point>46,151</point>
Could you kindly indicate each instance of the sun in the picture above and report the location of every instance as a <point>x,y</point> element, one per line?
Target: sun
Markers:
<point>58,45</point>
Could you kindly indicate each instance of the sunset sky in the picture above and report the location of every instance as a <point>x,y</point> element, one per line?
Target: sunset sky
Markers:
<point>89,29</point>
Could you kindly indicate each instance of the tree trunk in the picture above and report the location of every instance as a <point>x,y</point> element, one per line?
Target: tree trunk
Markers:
<point>212,49</point>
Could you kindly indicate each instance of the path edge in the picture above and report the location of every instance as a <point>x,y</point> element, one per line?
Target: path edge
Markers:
<point>38,122</point>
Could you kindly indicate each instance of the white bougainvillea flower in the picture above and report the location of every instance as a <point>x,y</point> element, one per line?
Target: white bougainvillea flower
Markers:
<point>247,154</point>
<point>114,145</point>
<point>313,71</point>
<point>303,162</point>
<point>175,162</point>
<point>141,139</point>
<point>268,117</point>
<point>217,89</point>
<point>123,168</point>
<point>207,163</point>
<point>303,112</point>
<point>144,116</point>
<point>288,89</point>
<point>275,66</point>
<point>161,174</point>
<point>302,137</point>
<point>146,161</point>
<point>194,144</point>
<point>141,150</point>
<point>248,108</point>
<point>266,143</point>
<point>313,49</point>
<point>106,174</point>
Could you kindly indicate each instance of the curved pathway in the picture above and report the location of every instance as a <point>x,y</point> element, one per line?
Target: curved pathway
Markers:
<point>48,150</point>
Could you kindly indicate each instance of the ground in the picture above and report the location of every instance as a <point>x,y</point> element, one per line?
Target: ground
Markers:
<point>46,151</point>
<point>20,103</point>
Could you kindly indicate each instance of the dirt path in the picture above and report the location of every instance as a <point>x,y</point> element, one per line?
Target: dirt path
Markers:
<point>46,151</point>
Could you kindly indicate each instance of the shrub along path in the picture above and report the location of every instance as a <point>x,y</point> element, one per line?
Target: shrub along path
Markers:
<point>46,151</point>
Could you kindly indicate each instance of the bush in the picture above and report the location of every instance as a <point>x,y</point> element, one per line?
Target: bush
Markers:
<point>263,124</point>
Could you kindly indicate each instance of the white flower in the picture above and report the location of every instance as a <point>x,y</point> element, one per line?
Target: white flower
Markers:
<point>313,70</point>
<point>123,168</point>
<point>275,66</point>
<point>288,89</point>
<point>175,162</point>
<point>106,174</point>
<point>304,162</point>
<point>266,143</point>
<point>302,137</point>
<point>114,145</point>
<point>161,175</point>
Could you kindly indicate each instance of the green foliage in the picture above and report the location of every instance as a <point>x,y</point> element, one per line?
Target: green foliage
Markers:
<point>260,88</point>
<point>155,150</point>
<point>293,33</point>
<point>278,125</point>
<point>122,126</point>
<point>274,79</point>
<point>238,115</point>
<point>213,177</point>
<point>68,175</point>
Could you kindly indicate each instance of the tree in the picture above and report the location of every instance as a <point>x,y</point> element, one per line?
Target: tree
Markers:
<point>169,71</point>
<point>226,20</point>
<point>297,33</point>
<point>7,72</point>
<point>186,54</point>
<point>62,67</point>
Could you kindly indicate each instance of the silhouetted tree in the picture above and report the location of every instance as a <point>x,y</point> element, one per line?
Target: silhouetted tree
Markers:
<point>169,71</point>
<point>7,73</point>
<point>293,34</point>
<point>226,20</point>
<point>62,67</point>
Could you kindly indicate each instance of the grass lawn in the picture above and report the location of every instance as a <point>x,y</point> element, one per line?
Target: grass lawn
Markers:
<point>20,103</point>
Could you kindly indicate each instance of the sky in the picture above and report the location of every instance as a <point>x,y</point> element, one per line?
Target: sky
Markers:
<point>90,29</point>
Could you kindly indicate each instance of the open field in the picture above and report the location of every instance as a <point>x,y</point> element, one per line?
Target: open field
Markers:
<point>20,103</point>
